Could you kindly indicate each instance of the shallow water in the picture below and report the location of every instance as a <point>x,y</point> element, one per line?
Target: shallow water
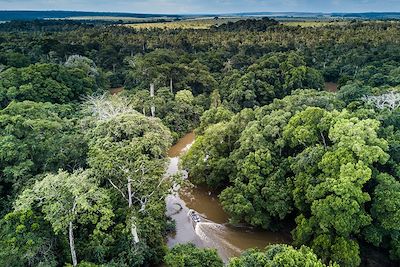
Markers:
<point>213,231</point>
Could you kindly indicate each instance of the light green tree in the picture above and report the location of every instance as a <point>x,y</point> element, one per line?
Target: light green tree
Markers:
<point>279,256</point>
<point>128,152</point>
<point>188,255</point>
<point>67,201</point>
<point>335,190</point>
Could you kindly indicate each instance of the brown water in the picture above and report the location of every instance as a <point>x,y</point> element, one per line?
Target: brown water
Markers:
<point>117,90</point>
<point>331,87</point>
<point>213,231</point>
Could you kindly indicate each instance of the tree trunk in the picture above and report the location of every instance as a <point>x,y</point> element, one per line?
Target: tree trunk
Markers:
<point>134,232</point>
<point>133,225</point>
<point>323,140</point>
<point>72,244</point>
<point>129,193</point>
<point>171,85</point>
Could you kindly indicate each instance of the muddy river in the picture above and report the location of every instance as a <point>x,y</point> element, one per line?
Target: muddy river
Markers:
<point>331,87</point>
<point>213,231</point>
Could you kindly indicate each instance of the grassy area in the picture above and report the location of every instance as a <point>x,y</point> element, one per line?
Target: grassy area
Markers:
<point>206,23</point>
<point>124,19</point>
<point>106,18</point>
<point>198,23</point>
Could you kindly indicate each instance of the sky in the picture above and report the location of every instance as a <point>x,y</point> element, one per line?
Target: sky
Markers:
<point>204,6</point>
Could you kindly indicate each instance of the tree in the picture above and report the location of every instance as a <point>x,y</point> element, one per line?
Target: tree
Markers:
<point>83,63</point>
<point>272,76</point>
<point>129,153</point>
<point>279,256</point>
<point>389,100</point>
<point>189,256</point>
<point>260,174</point>
<point>215,99</point>
<point>15,59</point>
<point>213,116</point>
<point>67,201</point>
<point>208,159</point>
<point>353,92</point>
<point>308,128</point>
<point>337,196</point>
<point>45,83</point>
<point>106,107</point>
<point>36,138</point>
<point>184,97</point>
<point>25,240</point>
<point>385,212</point>
<point>252,150</point>
<point>165,69</point>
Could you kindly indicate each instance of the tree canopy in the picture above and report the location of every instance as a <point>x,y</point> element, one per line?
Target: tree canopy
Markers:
<point>83,168</point>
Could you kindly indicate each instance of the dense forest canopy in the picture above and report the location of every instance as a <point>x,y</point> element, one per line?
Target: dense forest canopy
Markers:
<point>82,171</point>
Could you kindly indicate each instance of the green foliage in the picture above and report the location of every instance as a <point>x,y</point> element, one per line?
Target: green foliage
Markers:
<point>180,112</point>
<point>279,255</point>
<point>25,240</point>
<point>213,116</point>
<point>290,155</point>
<point>165,68</point>
<point>337,197</point>
<point>273,76</point>
<point>318,161</point>
<point>45,83</point>
<point>67,197</point>
<point>257,181</point>
<point>385,212</point>
<point>36,138</point>
<point>190,256</point>
<point>353,91</point>
<point>308,127</point>
<point>68,201</point>
<point>127,143</point>
<point>15,59</point>
<point>184,97</point>
<point>208,159</point>
<point>129,151</point>
<point>249,25</point>
<point>250,150</point>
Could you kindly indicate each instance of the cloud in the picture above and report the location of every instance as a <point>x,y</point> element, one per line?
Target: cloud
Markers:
<point>203,6</point>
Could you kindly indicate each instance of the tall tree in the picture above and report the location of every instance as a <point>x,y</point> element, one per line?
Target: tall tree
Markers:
<point>36,138</point>
<point>129,153</point>
<point>67,201</point>
<point>336,194</point>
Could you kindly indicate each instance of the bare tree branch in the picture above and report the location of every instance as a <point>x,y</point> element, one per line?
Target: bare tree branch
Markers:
<point>390,100</point>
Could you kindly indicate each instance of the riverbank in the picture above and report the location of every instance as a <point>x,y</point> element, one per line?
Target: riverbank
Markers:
<point>214,231</point>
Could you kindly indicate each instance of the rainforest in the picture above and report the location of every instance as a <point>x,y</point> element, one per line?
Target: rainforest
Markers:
<point>213,142</point>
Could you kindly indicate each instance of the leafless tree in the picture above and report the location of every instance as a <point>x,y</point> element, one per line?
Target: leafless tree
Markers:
<point>105,107</point>
<point>390,100</point>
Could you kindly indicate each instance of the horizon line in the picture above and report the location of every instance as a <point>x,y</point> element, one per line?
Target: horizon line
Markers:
<point>199,13</point>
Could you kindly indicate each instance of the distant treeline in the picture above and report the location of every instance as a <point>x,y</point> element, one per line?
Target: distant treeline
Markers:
<point>249,24</point>
<point>44,25</point>
<point>32,15</point>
